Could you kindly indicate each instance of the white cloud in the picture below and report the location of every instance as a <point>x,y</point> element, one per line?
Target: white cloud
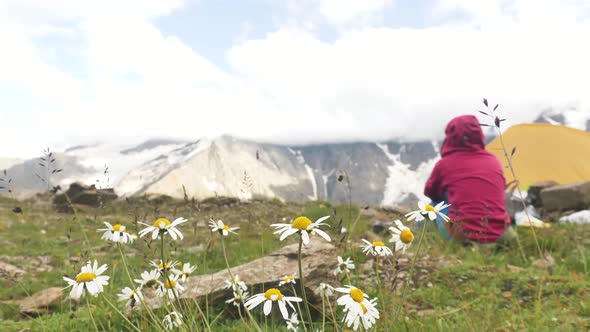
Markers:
<point>369,83</point>
<point>345,11</point>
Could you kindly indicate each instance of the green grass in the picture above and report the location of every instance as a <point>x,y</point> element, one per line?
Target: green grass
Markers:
<point>479,293</point>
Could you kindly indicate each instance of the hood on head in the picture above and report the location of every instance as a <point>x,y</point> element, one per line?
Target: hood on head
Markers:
<point>463,133</point>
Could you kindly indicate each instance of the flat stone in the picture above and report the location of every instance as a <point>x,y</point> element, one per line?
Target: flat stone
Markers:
<point>318,261</point>
<point>41,302</point>
<point>574,196</point>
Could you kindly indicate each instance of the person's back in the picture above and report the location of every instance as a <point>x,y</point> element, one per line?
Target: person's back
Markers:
<point>472,181</point>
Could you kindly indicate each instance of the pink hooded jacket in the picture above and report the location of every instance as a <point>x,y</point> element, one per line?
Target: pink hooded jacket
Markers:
<point>473,180</point>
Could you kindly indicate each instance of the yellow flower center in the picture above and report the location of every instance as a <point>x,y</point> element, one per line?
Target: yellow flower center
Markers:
<point>273,292</point>
<point>378,244</point>
<point>225,227</point>
<point>364,308</point>
<point>288,279</point>
<point>162,267</point>
<point>117,228</point>
<point>85,277</point>
<point>301,223</point>
<point>429,208</point>
<point>161,220</point>
<point>357,295</point>
<point>406,236</point>
<point>170,283</point>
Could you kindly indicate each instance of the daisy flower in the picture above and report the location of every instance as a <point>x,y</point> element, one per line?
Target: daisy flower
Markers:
<point>172,320</point>
<point>344,266</point>
<point>288,279</point>
<point>89,279</point>
<point>324,290</point>
<point>149,279</point>
<point>116,233</point>
<point>168,267</point>
<point>367,314</point>
<point>303,226</point>
<point>376,248</point>
<point>223,229</point>
<point>236,284</point>
<point>292,322</point>
<point>402,236</point>
<point>169,287</point>
<point>132,296</point>
<point>358,307</point>
<point>163,226</point>
<point>238,298</point>
<point>428,210</point>
<point>186,270</point>
<point>270,296</point>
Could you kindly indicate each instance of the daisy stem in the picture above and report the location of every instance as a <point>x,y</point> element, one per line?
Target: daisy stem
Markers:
<point>334,321</point>
<point>232,280</point>
<point>120,313</point>
<point>167,280</point>
<point>299,308</point>
<point>150,312</point>
<point>378,277</point>
<point>302,283</point>
<point>323,313</point>
<point>412,265</point>
<point>348,278</point>
<point>125,263</point>
<point>242,317</point>
<point>90,313</point>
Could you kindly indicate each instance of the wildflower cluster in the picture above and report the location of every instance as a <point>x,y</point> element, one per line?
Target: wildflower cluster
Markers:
<point>167,278</point>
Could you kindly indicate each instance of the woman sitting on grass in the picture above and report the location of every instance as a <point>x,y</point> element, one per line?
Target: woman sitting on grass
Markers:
<point>470,179</point>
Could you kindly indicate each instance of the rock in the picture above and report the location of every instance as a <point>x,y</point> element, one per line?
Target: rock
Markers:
<point>10,271</point>
<point>574,196</point>
<point>318,262</point>
<point>379,226</point>
<point>546,263</point>
<point>534,192</point>
<point>396,209</point>
<point>41,302</point>
<point>83,196</point>
<point>513,268</point>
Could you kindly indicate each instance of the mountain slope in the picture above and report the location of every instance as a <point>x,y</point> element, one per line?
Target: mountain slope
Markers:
<point>387,173</point>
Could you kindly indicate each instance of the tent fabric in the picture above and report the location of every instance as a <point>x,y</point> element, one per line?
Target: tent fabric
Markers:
<point>544,152</point>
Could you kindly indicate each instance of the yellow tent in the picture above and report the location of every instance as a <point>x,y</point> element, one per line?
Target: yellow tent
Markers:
<point>545,152</point>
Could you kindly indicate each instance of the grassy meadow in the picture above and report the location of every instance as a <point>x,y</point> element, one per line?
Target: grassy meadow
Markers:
<point>482,288</point>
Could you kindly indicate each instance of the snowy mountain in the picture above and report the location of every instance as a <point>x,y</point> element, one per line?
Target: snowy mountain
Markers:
<point>379,173</point>
<point>570,116</point>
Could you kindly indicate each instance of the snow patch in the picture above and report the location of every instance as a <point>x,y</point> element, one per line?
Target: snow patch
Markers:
<point>151,170</point>
<point>402,181</point>
<point>314,183</point>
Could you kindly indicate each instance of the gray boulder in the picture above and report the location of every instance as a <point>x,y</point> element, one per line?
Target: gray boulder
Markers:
<point>534,192</point>
<point>574,196</point>
<point>318,261</point>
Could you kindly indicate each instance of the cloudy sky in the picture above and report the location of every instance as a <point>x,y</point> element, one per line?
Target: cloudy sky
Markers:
<point>285,71</point>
